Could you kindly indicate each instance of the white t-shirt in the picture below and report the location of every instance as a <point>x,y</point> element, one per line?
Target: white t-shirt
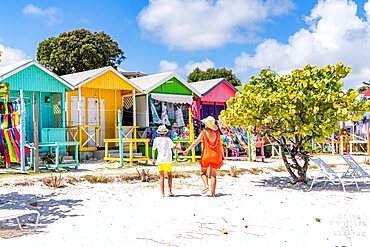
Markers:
<point>164,146</point>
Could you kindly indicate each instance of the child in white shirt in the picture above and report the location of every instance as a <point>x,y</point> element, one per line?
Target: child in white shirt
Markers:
<point>164,160</point>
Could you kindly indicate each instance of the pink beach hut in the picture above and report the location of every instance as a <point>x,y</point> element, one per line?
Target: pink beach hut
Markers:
<point>214,95</point>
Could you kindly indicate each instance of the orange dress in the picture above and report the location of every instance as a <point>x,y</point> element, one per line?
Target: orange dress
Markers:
<point>212,152</point>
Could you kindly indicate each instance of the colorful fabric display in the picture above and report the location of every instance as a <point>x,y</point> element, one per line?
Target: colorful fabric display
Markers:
<point>153,110</point>
<point>179,117</point>
<point>171,111</point>
<point>164,115</point>
<point>9,135</point>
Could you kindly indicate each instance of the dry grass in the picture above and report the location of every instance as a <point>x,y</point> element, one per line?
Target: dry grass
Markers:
<point>94,179</point>
<point>279,168</point>
<point>233,171</point>
<point>367,162</point>
<point>255,171</point>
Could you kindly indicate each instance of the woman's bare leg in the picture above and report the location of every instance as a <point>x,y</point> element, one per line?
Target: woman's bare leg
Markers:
<point>204,175</point>
<point>213,175</point>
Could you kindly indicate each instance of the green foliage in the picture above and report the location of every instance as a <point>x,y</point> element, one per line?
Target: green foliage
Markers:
<point>199,75</point>
<point>306,104</point>
<point>79,50</point>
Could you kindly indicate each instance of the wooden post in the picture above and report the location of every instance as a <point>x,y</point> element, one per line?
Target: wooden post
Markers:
<point>134,107</point>
<point>192,137</point>
<point>120,146</point>
<point>36,133</point>
<point>341,145</point>
<point>22,113</point>
<point>332,145</point>
<point>368,139</point>
<point>249,146</point>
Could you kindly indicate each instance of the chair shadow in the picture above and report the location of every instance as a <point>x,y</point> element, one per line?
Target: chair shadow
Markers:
<point>200,195</point>
<point>50,209</point>
<point>286,183</point>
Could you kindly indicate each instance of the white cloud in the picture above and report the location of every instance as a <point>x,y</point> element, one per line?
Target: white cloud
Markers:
<point>10,55</point>
<point>203,24</point>
<point>334,33</point>
<point>51,14</point>
<point>165,66</point>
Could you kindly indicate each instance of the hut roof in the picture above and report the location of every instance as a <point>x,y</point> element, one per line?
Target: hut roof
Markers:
<point>150,82</point>
<point>12,69</point>
<point>205,87</point>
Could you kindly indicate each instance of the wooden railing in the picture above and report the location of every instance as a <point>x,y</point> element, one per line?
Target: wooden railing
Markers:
<point>81,134</point>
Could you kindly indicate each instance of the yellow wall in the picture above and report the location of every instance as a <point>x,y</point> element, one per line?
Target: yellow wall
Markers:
<point>109,87</point>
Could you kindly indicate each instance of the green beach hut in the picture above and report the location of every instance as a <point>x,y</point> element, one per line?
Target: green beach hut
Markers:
<point>50,91</point>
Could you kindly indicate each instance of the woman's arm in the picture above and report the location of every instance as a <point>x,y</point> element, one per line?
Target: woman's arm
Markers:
<point>196,142</point>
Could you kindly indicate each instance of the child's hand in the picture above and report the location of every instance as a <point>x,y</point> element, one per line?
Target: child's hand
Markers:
<point>185,153</point>
<point>153,161</point>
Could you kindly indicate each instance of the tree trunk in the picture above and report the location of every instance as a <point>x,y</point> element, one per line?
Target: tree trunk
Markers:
<point>297,172</point>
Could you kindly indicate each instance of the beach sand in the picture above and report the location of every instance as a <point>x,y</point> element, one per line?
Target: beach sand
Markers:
<point>250,210</point>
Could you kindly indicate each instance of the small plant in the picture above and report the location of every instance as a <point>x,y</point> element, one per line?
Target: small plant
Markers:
<point>233,171</point>
<point>367,162</point>
<point>318,220</point>
<point>97,179</point>
<point>144,175</point>
<point>54,181</point>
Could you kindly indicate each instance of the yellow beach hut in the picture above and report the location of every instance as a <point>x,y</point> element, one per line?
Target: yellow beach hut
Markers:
<point>93,105</point>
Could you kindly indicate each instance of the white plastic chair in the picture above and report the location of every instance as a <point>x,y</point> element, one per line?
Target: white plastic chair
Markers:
<point>8,214</point>
<point>354,169</point>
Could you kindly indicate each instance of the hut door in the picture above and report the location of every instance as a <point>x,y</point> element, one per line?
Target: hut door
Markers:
<point>102,117</point>
<point>74,110</point>
<point>92,117</point>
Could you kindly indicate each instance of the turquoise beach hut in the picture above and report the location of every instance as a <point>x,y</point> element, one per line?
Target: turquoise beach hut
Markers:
<point>50,91</point>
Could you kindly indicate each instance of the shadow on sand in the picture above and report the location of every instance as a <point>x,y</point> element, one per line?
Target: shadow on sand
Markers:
<point>285,182</point>
<point>50,210</point>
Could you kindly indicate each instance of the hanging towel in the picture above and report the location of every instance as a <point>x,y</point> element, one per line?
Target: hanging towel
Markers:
<point>164,115</point>
<point>18,139</point>
<point>4,150</point>
<point>15,146</point>
<point>179,117</point>
<point>12,155</point>
<point>155,116</point>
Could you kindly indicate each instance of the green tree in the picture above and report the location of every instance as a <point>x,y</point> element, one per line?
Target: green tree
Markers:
<point>295,109</point>
<point>79,50</point>
<point>211,73</point>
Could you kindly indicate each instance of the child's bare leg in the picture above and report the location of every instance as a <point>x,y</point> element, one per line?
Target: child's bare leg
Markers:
<point>213,175</point>
<point>161,181</point>
<point>169,174</point>
<point>204,175</point>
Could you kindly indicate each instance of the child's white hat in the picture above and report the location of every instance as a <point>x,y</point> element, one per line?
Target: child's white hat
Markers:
<point>162,129</point>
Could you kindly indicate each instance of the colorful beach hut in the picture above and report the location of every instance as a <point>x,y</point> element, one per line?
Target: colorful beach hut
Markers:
<point>50,91</point>
<point>214,95</point>
<point>163,93</point>
<point>92,107</point>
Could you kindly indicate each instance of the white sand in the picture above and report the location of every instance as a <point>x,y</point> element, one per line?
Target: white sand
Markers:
<point>123,214</point>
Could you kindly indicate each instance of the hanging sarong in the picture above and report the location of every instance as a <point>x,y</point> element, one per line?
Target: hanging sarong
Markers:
<point>15,145</point>
<point>179,117</point>
<point>155,116</point>
<point>164,115</point>
<point>12,155</point>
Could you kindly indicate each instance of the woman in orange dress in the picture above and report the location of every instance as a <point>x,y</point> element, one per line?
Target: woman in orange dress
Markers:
<point>212,154</point>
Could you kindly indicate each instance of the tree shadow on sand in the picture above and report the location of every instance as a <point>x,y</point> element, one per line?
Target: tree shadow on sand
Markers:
<point>285,182</point>
<point>50,210</point>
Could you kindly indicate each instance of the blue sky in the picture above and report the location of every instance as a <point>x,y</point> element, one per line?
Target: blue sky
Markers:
<point>162,35</point>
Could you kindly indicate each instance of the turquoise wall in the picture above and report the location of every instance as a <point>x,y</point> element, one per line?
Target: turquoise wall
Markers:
<point>33,79</point>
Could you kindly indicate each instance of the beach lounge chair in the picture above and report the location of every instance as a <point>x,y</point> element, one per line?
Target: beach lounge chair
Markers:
<point>354,169</point>
<point>328,175</point>
<point>8,214</point>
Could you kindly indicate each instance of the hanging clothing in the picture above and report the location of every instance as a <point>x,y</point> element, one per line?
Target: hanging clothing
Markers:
<point>171,111</point>
<point>153,110</point>
<point>12,155</point>
<point>179,117</point>
<point>164,115</point>
<point>212,153</point>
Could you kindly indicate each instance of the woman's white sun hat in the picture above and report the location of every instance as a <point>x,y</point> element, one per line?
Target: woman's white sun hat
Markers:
<point>210,122</point>
<point>162,129</point>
